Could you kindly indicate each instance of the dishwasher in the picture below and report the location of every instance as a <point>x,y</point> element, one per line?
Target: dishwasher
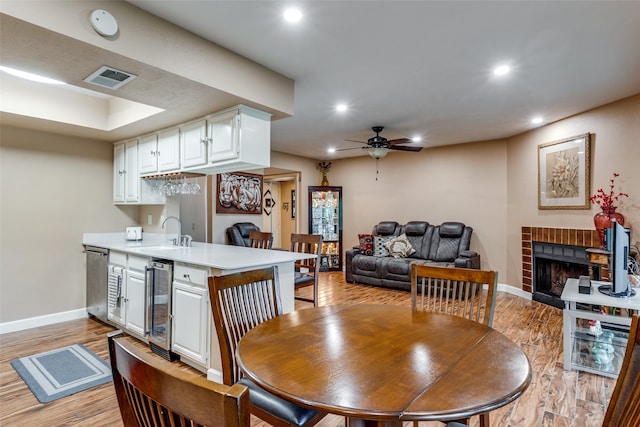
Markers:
<point>97,276</point>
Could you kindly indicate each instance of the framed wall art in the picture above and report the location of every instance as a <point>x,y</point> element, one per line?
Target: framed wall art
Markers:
<point>238,193</point>
<point>564,173</point>
<point>293,204</point>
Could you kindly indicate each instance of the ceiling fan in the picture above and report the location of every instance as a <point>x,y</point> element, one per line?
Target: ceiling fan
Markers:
<point>379,146</point>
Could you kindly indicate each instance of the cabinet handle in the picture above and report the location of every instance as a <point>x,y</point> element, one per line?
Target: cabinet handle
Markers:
<point>186,276</point>
<point>157,153</point>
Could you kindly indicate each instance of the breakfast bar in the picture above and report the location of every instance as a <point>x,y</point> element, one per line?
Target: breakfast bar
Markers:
<point>192,335</point>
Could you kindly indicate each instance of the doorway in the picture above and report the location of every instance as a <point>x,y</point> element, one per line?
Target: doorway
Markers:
<point>282,218</point>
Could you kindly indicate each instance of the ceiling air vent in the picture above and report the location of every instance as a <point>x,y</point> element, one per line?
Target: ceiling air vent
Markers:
<point>110,78</point>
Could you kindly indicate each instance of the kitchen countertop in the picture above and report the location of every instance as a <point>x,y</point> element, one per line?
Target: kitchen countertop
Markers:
<point>223,257</point>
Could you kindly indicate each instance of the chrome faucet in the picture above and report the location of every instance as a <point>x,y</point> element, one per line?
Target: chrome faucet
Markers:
<point>182,240</point>
<point>172,217</point>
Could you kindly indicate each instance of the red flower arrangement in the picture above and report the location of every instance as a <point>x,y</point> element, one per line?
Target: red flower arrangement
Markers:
<point>605,200</point>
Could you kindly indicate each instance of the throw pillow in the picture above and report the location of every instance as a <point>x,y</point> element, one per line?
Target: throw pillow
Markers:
<point>378,245</point>
<point>366,244</point>
<point>400,247</point>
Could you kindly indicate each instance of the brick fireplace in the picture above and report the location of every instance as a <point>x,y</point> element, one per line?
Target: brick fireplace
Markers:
<point>561,240</point>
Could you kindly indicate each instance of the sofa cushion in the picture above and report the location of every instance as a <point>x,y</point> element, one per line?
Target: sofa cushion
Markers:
<point>386,228</point>
<point>399,247</point>
<point>366,244</point>
<point>379,248</point>
<point>416,228</point>
<point>448,247</point>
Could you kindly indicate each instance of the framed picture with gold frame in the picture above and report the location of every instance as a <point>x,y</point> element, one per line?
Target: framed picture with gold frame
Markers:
<point>564,173</point>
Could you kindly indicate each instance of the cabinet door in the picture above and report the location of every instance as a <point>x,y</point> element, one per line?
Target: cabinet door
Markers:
<point>193,143</point>
<point>190,322</point>
<point>148,154</point>
<point>131,176</point>
<point>118,172</point>
<point>169,150</point>
<point>223,136</point>
<point>135,302</point>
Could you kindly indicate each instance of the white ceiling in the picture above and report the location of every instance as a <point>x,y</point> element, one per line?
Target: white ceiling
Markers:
<point>424,67</point>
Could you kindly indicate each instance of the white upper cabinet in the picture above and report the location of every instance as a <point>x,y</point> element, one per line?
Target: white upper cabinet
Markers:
<point>128,187</point>
<point>148,154</point>
<point>223,136</point>
<point>235,139</point>
<point>160,152</point>
<point>193,142</point>
<point>169,150</point>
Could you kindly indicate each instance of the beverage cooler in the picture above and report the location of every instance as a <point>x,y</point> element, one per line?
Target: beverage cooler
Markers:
<point>325,218</point>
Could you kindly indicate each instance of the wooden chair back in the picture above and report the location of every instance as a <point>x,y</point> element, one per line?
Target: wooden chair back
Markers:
<point>152,392</point>
<point>260,239</point>
<point>457,291</point>
<point>624,406</point>
<point>307,270</point>
<point>240,302</point>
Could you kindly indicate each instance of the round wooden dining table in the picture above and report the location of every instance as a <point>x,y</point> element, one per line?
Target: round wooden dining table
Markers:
<point>384,364</point>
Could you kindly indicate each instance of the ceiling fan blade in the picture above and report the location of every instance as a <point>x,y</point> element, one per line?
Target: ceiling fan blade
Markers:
<point>405,148</point>
<point>398,141</point>
<point>352,148</point>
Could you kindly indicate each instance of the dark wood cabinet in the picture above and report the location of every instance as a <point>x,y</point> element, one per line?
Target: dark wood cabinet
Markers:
<point>325,218</point>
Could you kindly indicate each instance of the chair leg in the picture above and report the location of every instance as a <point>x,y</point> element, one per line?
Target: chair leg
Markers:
<point>484,420</point>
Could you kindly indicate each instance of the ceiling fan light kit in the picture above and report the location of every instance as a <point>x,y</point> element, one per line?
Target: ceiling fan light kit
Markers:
<point>378,152</point>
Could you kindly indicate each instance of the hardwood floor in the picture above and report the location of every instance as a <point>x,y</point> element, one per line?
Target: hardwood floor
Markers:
<point>555,398</point>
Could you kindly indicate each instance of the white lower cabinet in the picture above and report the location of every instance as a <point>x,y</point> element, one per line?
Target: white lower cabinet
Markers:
<point>135,307</point>
<point>190,309</point>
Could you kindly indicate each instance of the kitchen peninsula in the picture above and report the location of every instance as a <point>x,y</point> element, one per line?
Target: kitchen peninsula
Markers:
<point>193,336</point>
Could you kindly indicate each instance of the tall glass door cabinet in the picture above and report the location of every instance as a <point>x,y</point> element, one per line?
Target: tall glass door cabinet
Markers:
<point>325,218</point>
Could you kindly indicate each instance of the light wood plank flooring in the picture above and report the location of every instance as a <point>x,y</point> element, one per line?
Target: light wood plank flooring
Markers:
<point>555,397</point>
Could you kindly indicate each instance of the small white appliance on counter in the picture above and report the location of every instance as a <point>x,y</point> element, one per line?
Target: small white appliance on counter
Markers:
<point>133,233</point>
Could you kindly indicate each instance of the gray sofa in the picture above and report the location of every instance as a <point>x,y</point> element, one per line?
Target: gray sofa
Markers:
<point>446,244</point>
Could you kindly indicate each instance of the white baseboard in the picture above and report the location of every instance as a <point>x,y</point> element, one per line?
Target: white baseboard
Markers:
<point>35,322</point>
<point>514,291</point>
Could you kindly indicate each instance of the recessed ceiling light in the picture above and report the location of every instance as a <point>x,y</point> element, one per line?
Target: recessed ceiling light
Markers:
<point>30,76</point>
<point>416,139</point>
<point>501,70</point>
<point>292,15</point>
<point>536,120</point>
<point>341,107</point>
<point>331,150</point>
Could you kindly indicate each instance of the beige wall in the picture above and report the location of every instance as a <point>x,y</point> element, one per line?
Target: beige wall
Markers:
<point>53,189</point>
<point>615,148</point>
<point>465,183</point>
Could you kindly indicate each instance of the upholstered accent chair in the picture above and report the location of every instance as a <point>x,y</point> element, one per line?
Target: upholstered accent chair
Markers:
<point>238,233</point>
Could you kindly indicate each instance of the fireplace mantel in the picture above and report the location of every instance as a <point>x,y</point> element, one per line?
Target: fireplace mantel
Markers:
<point>561,236</point>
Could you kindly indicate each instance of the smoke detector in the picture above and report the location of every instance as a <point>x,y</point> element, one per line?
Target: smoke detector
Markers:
<point>110,78</point>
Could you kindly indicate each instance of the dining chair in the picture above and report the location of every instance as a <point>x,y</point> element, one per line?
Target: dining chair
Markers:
<point>624,406</point>
<point>455,291</point>
<point>151,392</point>
<point>307,271</point>
<point>240,302</point>
<point>260,239</point>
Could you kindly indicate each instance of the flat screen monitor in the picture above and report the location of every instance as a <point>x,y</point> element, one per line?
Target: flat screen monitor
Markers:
<point>618,263</point>
<point>619,273</point>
